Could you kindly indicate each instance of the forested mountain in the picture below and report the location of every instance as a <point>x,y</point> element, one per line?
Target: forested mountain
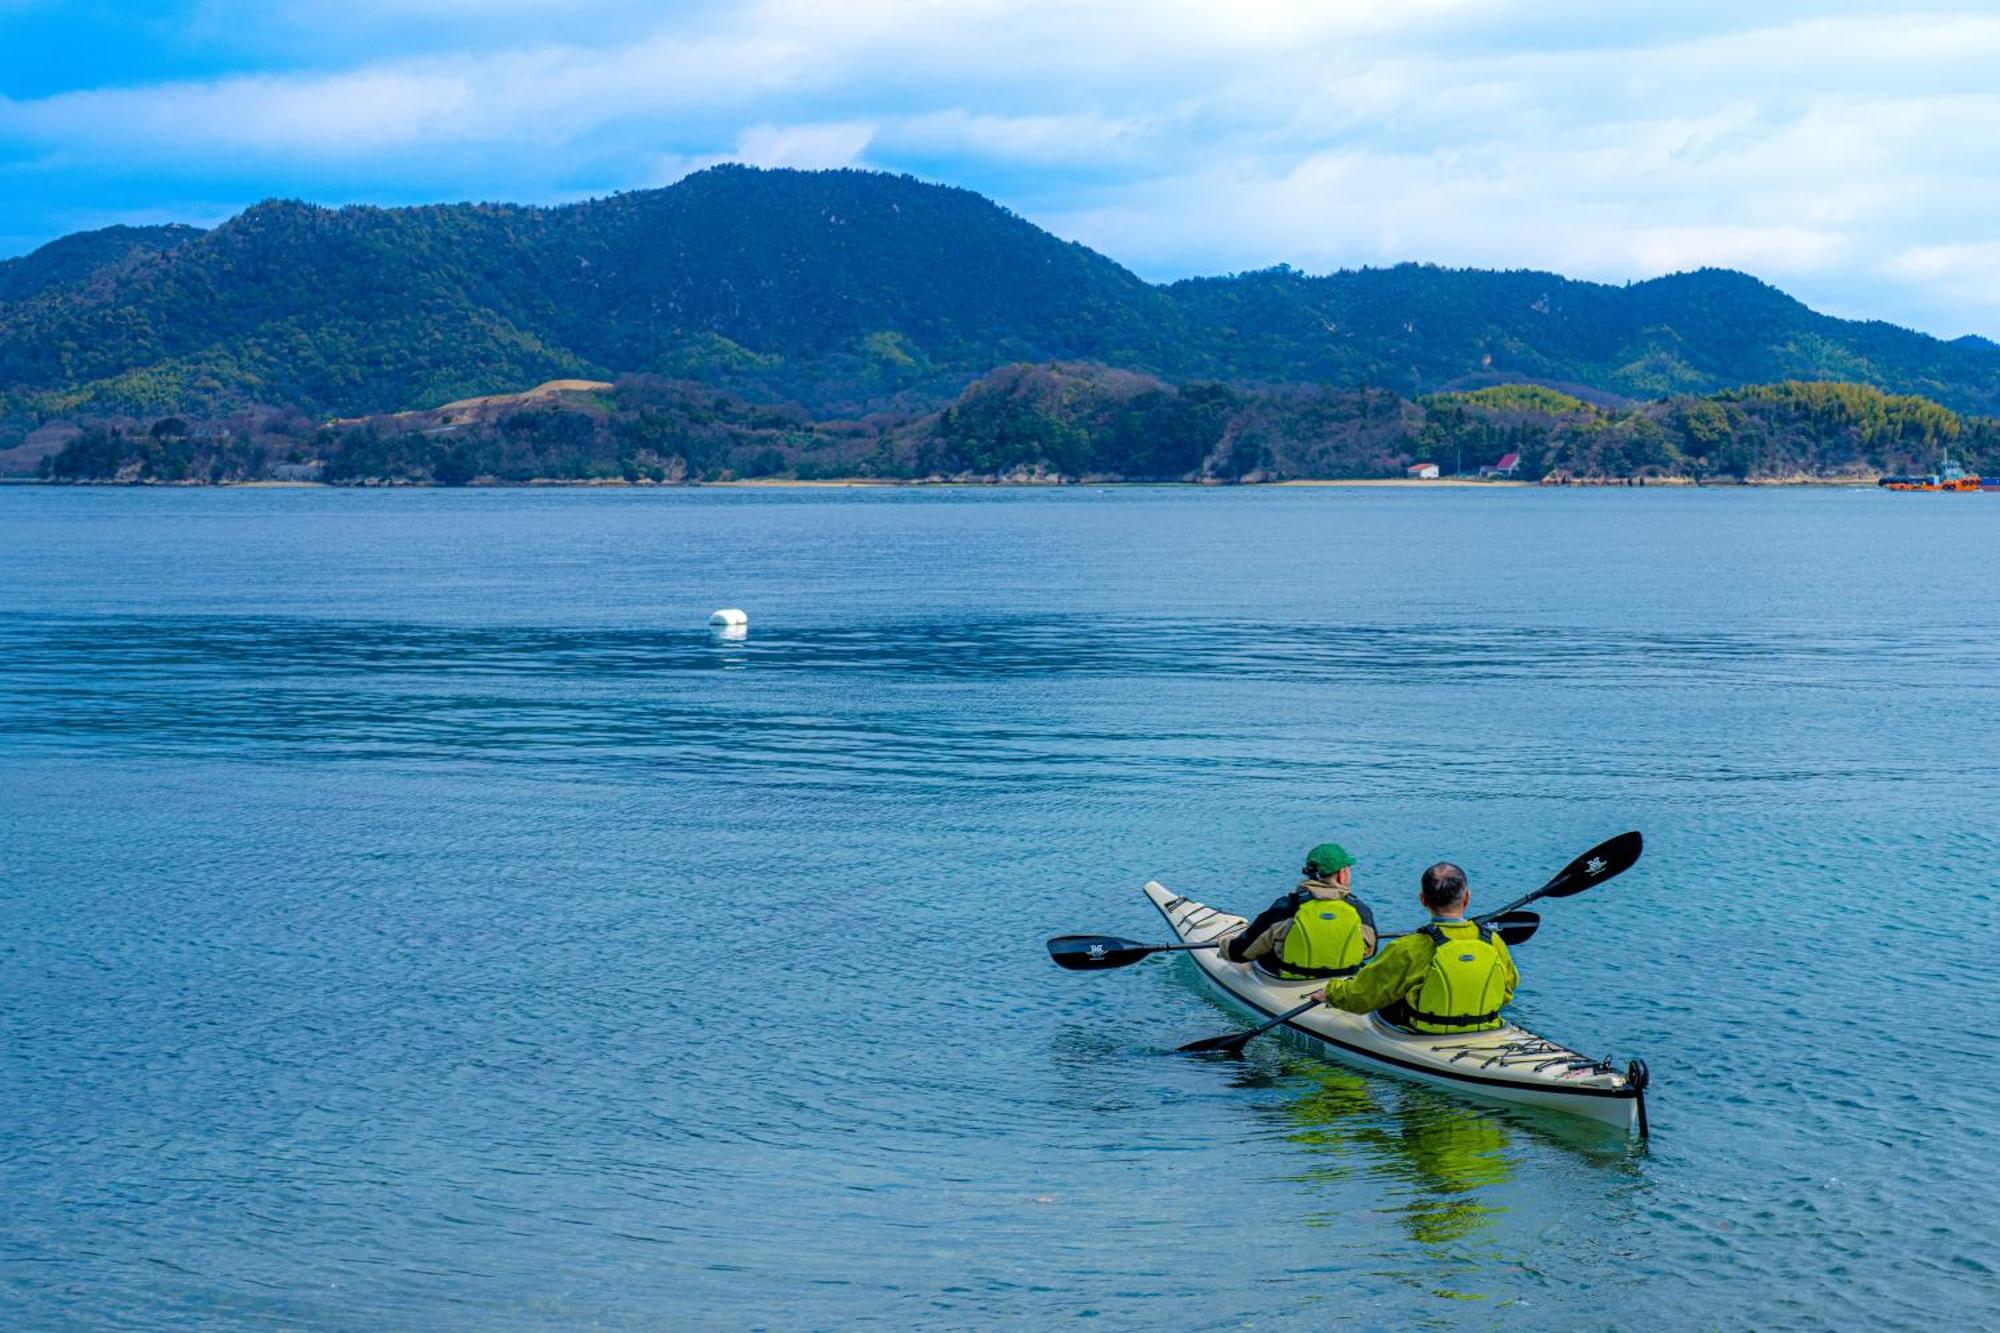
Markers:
<point>87,257</point>
<point>1417,328</point>
<point>846,292</point>
<point>836,288</point>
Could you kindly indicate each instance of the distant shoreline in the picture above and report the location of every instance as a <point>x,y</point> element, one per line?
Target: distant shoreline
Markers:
<point>1469,483</point>
<point>899,483</point>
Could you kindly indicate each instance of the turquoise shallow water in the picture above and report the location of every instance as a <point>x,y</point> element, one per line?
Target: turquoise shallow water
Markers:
<point>416,918</point>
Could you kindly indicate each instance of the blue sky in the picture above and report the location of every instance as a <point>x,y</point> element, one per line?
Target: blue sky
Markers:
<point>1849,153</point>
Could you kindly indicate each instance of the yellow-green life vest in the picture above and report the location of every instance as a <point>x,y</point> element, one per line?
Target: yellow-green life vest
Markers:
<point>1465,986</point>
<point>1324,940</point>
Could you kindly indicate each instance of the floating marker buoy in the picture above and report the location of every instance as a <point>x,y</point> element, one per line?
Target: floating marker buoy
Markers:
<point>729,615</point>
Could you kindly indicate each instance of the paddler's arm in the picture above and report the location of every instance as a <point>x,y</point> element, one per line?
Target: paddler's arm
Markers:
<point>1508,971</point>
<point>1395,970</point>
<point>1367,925</point>
<point>1281,910</point>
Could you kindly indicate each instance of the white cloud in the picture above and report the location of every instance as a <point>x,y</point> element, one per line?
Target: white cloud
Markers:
<point>1032,140</point>
<point>1840,153</point>
<point>1964,277</point>
<point>897,49</point>
<point>347,113</point>
<point>810,147</point>
<point>532,95</point>
<point>1948,263</point>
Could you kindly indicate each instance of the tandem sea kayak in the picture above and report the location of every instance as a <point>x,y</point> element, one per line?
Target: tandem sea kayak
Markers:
<point>1507,1064</point>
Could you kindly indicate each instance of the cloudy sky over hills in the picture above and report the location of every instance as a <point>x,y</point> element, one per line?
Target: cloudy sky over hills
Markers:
<point>1847,152</point>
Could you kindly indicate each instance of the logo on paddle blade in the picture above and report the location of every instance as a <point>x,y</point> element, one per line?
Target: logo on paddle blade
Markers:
<point>1097,951</point>
<point>1594,866</point>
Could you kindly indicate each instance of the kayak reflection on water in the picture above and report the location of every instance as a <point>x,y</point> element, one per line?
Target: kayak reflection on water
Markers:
<point>1445,1162</point>
<point>1444,1153</point>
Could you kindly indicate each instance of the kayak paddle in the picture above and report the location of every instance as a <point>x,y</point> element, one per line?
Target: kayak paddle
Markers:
<point>1234,1043</point>
<point>1519,928</point>
<point>1099,953</point>
<point>1609,858</point>
<point>1513,927</point>
<point>1094,953</point>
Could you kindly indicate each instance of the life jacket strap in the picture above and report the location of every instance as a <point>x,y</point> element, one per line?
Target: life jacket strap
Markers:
<point>1453,1020</point>
<point>1296,972</point>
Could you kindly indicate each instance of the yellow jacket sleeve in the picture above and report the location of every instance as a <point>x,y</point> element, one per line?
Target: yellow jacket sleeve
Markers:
<point>1399,967</point>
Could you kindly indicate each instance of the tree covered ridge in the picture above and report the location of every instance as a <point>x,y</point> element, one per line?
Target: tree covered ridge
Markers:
<point>86,257</point>
<point>1062,421</point>
<point>848,292</point>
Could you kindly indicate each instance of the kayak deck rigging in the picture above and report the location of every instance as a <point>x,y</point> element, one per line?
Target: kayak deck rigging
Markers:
<point>1538,1052</point>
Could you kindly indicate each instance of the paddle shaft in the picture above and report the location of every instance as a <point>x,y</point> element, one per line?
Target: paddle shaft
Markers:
<point>1284,1018</point>
<point>1514,906</point>
<point>1513,927</point>
<point>1238,1040</point>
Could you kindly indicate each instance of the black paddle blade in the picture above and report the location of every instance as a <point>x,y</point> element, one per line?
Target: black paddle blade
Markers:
<point>1612,857</point>
<point>1232,1044</point>
<point>1094,953</point>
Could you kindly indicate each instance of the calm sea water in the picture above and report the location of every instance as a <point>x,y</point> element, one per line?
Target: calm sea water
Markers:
<point>414,917</point>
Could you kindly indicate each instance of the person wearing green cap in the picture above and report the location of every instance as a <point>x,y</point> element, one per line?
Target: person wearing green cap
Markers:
<point>1319,929</point>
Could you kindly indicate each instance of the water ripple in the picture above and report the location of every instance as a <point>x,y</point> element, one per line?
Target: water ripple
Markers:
<point>403,933</point>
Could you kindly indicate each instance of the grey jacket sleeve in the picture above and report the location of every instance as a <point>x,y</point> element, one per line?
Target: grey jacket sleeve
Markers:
<point>1367,920</point>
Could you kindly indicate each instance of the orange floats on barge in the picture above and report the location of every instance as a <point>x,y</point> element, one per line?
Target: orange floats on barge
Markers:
<point>1951,477</point>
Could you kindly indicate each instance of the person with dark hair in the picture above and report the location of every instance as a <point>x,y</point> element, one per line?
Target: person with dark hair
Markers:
<point>1453,975</point>
<point>1319,929</point>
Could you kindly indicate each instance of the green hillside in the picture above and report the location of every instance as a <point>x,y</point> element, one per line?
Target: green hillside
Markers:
<point>1416,328</point>
<point>76,261</point>
<point>847,293</point>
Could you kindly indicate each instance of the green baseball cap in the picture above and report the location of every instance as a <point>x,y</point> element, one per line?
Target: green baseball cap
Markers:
<point>1329,858</point>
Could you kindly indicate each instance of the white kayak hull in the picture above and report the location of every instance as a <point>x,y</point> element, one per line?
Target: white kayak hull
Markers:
<point>1508,1064</point>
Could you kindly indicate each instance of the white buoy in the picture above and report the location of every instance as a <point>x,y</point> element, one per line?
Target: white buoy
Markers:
<point>729,623</point>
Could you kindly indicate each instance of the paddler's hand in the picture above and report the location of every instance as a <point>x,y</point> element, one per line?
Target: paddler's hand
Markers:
<point>1222,947</point>
<point>1318,996</point>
